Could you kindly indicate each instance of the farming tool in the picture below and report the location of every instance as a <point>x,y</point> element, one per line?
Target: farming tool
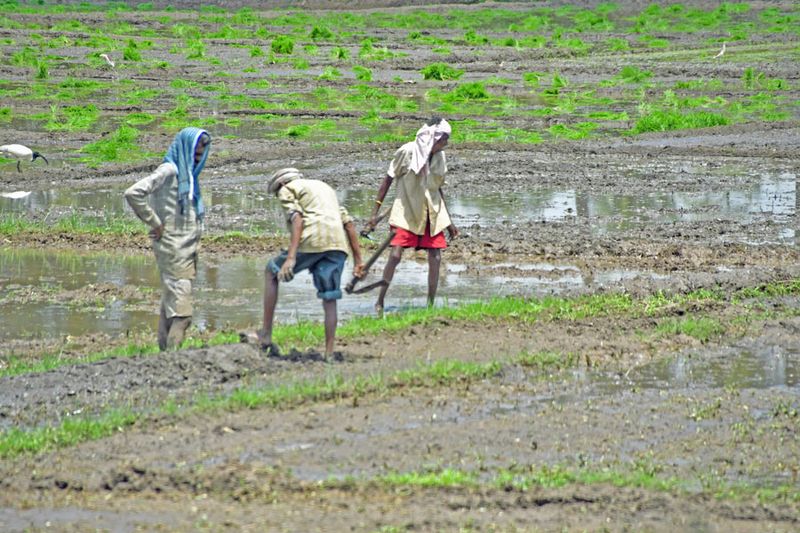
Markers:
<point>350,287</point>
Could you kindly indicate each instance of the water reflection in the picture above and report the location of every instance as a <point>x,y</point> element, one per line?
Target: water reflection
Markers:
<point>227,294</point>
<point>757,363</point>
<point>245,202</point>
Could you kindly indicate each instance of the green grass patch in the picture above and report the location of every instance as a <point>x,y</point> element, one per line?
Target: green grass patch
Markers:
<point>70,432</point>
<point>119,146</point>
<point>665,120</point>
<point>441,71</point>
<point>436,479</point>
<point>701,328</point>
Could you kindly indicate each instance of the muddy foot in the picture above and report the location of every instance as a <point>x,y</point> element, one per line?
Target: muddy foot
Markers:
<point>252,337</point>
<point>379,311</point>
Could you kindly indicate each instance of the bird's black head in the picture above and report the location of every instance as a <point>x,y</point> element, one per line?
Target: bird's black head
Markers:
<point>37,154</point>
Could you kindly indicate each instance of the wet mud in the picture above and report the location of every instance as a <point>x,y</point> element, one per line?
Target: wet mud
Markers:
<point>660,213</point>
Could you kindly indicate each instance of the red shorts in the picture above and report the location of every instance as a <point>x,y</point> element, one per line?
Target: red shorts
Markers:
<point>406,239</point>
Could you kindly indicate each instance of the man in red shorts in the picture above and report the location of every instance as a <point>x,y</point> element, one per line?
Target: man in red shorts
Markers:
<point>419,214</point>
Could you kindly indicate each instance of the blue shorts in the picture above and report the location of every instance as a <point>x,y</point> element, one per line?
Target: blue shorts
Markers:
<point>326,268</point>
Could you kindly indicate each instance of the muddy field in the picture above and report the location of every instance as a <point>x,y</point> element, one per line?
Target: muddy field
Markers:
<point>671,405</point>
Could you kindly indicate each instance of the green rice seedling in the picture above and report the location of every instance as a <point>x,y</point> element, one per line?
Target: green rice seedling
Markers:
<point>259,84</point>
<point>180,83</point>
<point>321,33</point>
<point>340,53</point>
<point>580,130</point>
<point>136,97</point>
<point>587,20</point>
<point>362,73</point>
<point>617,44</point>
<point>311,49</point>
<point>42,69</point>
<point>245,17</point>
<point>559,81</point>
<point>441,71</point>
<point>752,79</point>
<point>298,130</point>
<point>138,119</point>
<point>419,38</point>
<point>531,41</point>
<point>301,64</point>
<point>226,31</point>
<point>494,133</point>
<point>474,39</point>
<point>654,42</point>
<point>25,58</point>
<point>575,44</point>
<point>443,50</point>
<point>131,52</point>
<point>71,431</point>
<point>466,92</point>
<point>701,328</point>
<point>5,114</point>
<point>608,115</point>
<point>330,74</point>
<point>72,118</point>
<point>363,96</point>
<point>372,118</point>
<point>119,146</point>
<point>442,478</point>
<point>700,85</point>
<point>72,25</point>
<point>665,120</point>
<point>282,44</point>
<point>370,53</point>
<point>256,51</point>
<point>195,49</point>
<point>548,360</point>
<point>630,74</point>
<point>497,80</point>
<point>185,31</point>
<point>532,79</point>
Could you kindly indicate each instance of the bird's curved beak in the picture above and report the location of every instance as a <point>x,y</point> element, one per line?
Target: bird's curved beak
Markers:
<point>37,154</point>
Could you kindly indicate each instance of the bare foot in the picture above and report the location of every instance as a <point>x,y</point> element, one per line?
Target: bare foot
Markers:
<point>379,310</point>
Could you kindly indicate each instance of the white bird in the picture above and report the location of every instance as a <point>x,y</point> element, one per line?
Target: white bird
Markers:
<point>721,52</point>
<point>20,152</point>
<point>108,60</point>
<point>16,195</point>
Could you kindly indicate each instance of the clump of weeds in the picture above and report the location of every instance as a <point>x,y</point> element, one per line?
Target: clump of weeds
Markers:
<point>282,44</point>
<point>441,71</point>
<point>119,146</point>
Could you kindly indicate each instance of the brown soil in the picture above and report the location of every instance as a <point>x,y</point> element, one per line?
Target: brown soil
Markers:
<point>266,468</point>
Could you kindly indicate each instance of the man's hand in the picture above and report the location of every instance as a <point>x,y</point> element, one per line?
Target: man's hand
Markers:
<point>453,231</point>
<point>287,270</point>
<point>157,232</point>
<point>358,271</point>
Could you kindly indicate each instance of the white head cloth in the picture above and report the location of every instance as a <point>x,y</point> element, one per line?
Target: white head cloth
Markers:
<point>426,138</point>
<point>282,176</point>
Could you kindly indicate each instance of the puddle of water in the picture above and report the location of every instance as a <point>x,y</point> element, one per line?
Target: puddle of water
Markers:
<point>227,294</point>
<point>774,198</point>
<point>759,364</point>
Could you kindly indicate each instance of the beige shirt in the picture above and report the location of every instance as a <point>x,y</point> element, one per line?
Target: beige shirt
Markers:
<point>323,218</point>
<point>154,199</point>
<point>418,198</point>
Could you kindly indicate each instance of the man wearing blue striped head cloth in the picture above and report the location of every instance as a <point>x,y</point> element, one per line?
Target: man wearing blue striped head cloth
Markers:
<point>169,201</point>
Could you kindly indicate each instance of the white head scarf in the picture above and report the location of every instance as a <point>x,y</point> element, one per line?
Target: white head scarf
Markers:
<point>281,177</point>
<point>426,138</point>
